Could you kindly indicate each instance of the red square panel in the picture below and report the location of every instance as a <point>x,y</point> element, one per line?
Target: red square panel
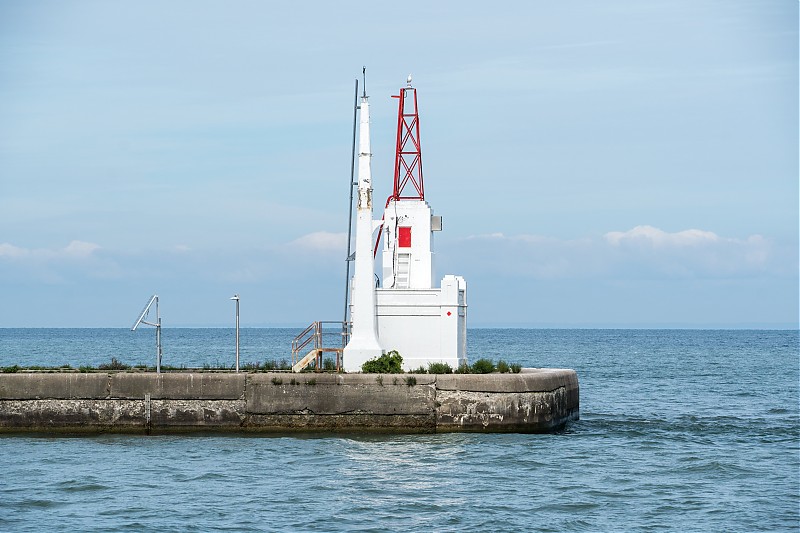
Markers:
<point>404,237</point>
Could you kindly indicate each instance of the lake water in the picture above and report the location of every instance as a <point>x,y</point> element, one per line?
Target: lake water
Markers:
<point>680,430</point>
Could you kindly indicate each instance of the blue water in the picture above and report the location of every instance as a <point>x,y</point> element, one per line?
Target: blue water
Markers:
<point>680,430</point>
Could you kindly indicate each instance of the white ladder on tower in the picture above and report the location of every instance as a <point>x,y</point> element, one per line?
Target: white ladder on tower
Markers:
<point>403,273</point>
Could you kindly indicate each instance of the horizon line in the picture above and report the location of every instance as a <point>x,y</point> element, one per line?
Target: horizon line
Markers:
<point>775,326</point>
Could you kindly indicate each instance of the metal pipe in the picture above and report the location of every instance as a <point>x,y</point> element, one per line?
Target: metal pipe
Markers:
<point>350,219</point>
<point>236,297</point>
<point>158,339</point>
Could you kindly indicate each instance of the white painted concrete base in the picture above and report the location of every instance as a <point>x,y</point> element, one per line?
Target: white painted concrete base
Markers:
<point>355,357</point>
<point>425,325</point>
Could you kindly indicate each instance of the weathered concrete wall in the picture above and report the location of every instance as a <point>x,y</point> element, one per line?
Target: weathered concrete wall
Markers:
<point>341,401</point>
<point>61,386</point>
<point>183,386</point>
<point>536,400</point>
<point>543,399</point>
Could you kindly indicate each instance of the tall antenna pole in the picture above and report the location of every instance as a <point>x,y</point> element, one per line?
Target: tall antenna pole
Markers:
<point>350,219</point>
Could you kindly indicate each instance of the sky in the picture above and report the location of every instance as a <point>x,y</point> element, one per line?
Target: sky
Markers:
<point>596,164</point>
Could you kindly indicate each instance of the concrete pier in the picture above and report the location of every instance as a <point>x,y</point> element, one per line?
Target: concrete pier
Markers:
<point>533,401</point>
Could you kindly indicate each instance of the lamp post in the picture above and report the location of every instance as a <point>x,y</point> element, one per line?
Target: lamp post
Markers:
<point>236,297</point>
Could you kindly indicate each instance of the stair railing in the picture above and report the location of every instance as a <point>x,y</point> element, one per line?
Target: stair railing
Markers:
<point>317,334</point>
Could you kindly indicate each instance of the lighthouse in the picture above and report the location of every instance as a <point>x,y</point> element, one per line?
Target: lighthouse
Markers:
<point>408,310</point>
<point>363,344</point>
<point>423,318</point>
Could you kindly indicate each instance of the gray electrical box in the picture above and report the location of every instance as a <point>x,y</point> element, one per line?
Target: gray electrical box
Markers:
<point>436,223</point>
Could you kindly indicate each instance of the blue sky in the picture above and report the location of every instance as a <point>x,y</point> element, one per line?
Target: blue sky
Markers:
<point>613,164</point>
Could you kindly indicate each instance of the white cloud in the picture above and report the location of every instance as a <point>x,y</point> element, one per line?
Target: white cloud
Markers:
<point>79,249</point>
<point>9,250</point>
<point>76,260</point>
<point>656,238</point>
<point>641,252</point>
<point>518,238</point>
<point>75,249</point>
<point>322,242</point>
<point>692,252</point>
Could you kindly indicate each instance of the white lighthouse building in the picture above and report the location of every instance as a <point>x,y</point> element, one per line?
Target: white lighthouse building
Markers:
<point>424,319</point>
<point>363,344</point>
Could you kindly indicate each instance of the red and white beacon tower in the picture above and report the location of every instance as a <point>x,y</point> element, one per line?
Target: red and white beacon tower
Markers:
<point>425,323</point>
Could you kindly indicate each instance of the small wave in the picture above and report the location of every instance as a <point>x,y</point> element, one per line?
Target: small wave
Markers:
<point>39,504</point>
<point>73,486</point>
<point>207,476</point>
<point>715,467</point>
<point>123,511</point>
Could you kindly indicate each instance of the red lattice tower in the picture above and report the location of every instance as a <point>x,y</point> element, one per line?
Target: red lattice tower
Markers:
<point>408,154</point>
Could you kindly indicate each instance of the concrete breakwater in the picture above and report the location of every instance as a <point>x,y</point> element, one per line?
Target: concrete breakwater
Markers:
<point>535,400</point>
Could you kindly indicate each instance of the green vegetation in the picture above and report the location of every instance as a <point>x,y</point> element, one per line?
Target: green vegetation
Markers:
<point>483,366</point>
<point>388,363</point>
<point>379,380</point>
<point>115,364</point>
<point>277,381</point>
<point>270,365</point>
<point>487,366</point>
<point>273,364</point>
<point>439,368</point>
<point>464,368</point>
<point>411,381</point>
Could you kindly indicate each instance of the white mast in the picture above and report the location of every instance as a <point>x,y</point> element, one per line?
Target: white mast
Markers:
<point>363,343</point>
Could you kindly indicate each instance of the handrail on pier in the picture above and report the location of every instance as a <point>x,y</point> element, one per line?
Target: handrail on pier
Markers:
<point>315,333</point>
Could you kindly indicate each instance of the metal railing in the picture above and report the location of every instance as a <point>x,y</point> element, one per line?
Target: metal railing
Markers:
<point>319,338</point>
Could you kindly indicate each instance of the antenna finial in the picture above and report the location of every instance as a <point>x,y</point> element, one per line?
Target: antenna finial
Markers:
<point>364,76</point>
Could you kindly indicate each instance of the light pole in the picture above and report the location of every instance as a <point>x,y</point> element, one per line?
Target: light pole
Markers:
<point>157,324</point>
<point>236,297</point>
